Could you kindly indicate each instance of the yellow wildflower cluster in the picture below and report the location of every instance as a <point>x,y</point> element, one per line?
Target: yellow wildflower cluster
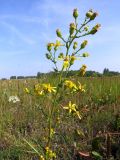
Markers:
<point>72,108</point>
<point>38,90</point>
<point>42,89</point>
<point>49,153</point>
<point>73,87</point>
<point>83,70</point>
<point>70,85</point>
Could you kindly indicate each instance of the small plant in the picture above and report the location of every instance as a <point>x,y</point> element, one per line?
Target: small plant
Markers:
<point>57,110</point>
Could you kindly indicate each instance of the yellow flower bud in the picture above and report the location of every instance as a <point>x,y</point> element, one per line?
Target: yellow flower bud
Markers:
<point>85,54</point>
<point>95,14</point>
<point>86,28</point>
<point>49,46</point>
<point>89,14</point>
<point>72,28</point>
<point>75,13</point>
<point>42,158</point>
<point>95,29</point>
<point>75,45</point>
<point>61,56</point>
<point>83,44</point>
<point>58,32</point>
<point>48,56</point>
<point>72,59</point>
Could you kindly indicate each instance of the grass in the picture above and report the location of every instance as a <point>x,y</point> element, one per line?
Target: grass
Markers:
<point>23,119</point>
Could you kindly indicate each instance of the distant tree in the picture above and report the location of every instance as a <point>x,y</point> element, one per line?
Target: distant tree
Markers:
<point>3,79</point>
<point>13,77</point>
<point>106,71</point>
<point>27,77</point>
<point>38,75</point>
<point>20,77</point>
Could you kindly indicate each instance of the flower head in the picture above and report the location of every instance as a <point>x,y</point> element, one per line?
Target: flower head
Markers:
<point>81,87</point>
<point>27,90</point>
<point>70,85</point>
<point>48,88</point>
<point>58,44</point>
<point>83,70</point>
<point>65,62</point>
<point>71,107</point>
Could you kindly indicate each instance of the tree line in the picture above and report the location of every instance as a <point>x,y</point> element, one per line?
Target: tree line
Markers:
<point>106,72</point>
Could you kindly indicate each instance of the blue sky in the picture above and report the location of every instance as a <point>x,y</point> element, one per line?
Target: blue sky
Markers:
<point>26,26</point>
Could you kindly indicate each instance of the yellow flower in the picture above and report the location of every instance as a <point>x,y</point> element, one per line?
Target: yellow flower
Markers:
<point>72,59</point>
<point>70,85</point>
<point>49,153</point>
<point>83,70</point>
<point>71,107</point>
<point>38,90</point>
<point>42,158</point>
<point>48,88</point>
<point>52,132</point>
<point>81,88</point>
<point>40,93</point>
<point>37,87</point>
<point>78,114</point>
<point>65,64</point>
<point>27,90</point>
<point>58,44</point>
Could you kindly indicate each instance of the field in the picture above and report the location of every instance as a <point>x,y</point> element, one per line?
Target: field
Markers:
<point>24,123</point>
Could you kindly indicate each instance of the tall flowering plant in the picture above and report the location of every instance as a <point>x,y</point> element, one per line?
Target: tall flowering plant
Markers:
<point>57,109</point>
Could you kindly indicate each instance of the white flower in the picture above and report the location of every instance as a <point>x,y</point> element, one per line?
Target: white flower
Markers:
<point>14,99</point>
